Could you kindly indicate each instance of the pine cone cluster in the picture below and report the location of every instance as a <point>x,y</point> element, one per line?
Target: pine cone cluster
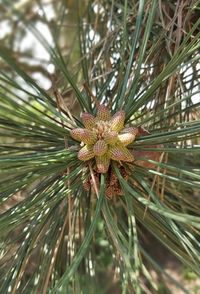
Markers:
<point>104,138</point>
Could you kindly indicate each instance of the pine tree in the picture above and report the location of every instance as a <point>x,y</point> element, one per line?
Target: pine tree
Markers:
<point>105,163</point>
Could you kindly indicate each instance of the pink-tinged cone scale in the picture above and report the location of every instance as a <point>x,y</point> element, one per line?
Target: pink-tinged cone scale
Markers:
<point>103,113</point>
<point>100,148</point>
<point>85,153</point>
<point>126,138</point>
<point>133,131</point>
<point>88,120</point>
<point>84,135</point>
<point>117,121</point>
<point>103,163</point>
<point>119,153</point>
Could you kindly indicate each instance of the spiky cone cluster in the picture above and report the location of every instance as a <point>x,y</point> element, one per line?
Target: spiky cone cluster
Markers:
<point>104,138</point>
<point>113,187</point>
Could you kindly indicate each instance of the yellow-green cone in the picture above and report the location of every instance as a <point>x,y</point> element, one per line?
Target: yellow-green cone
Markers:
<point>103,163</point>
<point>100,148</point>
<point>85,153</point>
<point>111,137</point>
<point>88,120</point>
<point>103,113</point>
<point>84,135</point>
<point>126,138</point>
<point>117,121</point>
<point>105,138</point>
<point>120,153</point>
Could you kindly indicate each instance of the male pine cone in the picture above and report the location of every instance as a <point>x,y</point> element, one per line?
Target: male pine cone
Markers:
<point>105,138</point>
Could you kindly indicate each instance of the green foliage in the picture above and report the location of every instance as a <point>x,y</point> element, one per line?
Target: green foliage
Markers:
<point>139,56</point>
